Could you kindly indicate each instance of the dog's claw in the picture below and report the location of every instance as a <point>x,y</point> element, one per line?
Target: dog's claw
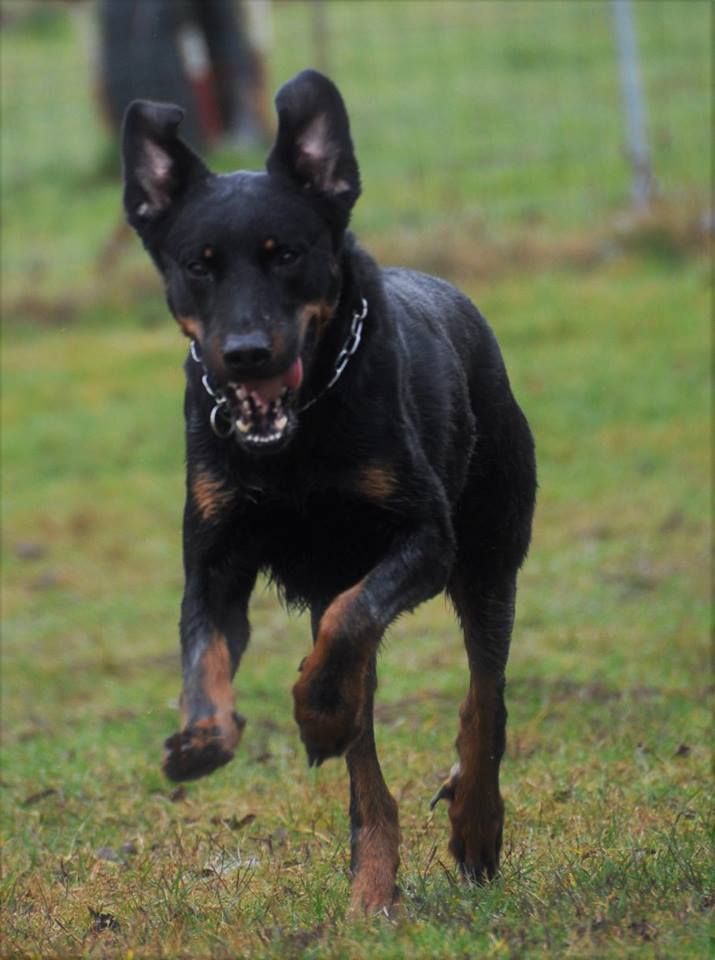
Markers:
<point>448,788</point>
<point>318,751</point>
<point>444,793</point>
<point>374,903</point>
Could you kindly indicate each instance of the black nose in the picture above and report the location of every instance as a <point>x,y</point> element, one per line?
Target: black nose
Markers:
<point>246,352</point>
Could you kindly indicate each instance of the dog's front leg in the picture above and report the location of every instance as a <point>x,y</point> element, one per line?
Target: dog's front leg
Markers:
<point>334,699</point>
<point>214,634</point>
<point>331,692</point>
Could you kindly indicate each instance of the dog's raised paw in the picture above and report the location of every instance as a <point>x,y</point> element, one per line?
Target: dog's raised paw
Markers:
<point>200,749</point>
<point>326,735</point>
<point>328,732</point>
<point>328,708</point>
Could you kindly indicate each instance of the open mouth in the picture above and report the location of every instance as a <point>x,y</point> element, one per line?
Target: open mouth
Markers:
<point>263,407</point>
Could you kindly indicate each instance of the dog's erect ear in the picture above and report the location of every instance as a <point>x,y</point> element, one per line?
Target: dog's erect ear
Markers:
<point>158,166</point>
<point>313,145</point>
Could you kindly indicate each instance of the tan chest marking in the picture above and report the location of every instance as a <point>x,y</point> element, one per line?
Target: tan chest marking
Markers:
<point>209,493</point>
<point>376,482</point>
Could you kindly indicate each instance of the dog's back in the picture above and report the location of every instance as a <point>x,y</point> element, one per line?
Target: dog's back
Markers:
<point>468,417</point>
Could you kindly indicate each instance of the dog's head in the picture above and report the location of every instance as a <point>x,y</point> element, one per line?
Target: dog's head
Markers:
<point>250,260</point>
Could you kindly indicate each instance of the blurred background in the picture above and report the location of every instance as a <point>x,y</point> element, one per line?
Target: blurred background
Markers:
<point>554,159</point>
<point>486,131</point>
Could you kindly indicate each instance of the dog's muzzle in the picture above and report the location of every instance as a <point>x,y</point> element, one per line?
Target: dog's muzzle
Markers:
<point>263,407</point>
<point>260,411</point>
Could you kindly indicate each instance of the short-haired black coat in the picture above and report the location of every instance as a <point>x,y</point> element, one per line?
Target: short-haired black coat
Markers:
<point>351,433</point>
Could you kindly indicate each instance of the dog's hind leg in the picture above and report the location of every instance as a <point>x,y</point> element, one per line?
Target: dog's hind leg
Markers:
<point>476,810</point>
<point>214,634</point>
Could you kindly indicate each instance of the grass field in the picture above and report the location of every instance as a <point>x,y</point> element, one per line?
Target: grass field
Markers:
<point>608,846</point>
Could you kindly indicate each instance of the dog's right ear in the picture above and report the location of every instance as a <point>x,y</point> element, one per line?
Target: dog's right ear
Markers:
<point>158,166</point>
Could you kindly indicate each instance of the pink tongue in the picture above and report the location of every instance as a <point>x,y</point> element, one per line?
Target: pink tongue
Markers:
<point>293,377</point>
<point>266,391</point>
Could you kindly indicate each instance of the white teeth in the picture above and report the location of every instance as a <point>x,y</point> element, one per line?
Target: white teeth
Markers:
<point>260,440</point>
<point>253,411</point>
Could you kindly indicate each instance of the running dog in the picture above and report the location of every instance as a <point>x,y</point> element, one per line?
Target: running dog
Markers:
<point>350,433</point>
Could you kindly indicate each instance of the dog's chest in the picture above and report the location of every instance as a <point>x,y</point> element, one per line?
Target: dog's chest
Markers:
<point>323,542</point>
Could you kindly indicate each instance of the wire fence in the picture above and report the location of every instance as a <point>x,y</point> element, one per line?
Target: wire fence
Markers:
<point>464,112</point>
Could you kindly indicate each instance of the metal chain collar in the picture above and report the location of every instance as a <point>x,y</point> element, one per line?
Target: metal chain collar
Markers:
<point>221,405</point>
<point>349,348</point>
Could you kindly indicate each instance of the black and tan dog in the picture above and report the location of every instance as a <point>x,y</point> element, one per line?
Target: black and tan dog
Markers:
<point>351,433</point>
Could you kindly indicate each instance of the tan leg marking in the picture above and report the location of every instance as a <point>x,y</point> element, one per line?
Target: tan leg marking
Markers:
<point>477,810</point>
<point>206,740</point>
<point>329,731</point>
<point>376,836</point>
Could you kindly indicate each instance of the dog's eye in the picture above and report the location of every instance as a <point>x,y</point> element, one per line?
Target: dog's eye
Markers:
<point>285,256</point>
<point>198,269</point>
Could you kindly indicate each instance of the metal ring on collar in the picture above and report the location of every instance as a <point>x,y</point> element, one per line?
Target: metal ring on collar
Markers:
<point>213,419</point>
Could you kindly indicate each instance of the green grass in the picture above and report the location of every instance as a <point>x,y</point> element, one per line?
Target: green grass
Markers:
<point>607,775</point>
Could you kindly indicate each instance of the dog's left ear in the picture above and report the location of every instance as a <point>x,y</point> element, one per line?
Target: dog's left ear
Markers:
<point>158,165</point>
<point>313,146</point>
